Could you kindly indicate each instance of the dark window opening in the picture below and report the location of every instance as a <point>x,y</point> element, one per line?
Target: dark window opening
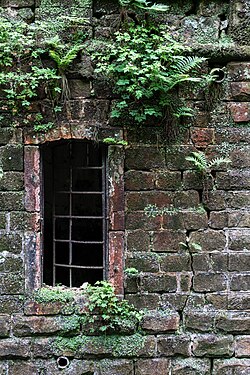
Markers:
<point>74,212</point>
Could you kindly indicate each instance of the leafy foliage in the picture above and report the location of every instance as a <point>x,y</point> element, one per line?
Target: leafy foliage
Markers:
<point>114,313</point>
<point>144,4</point>
<point>201,163</point>
<point>147,67</point>
<point>53,294</point>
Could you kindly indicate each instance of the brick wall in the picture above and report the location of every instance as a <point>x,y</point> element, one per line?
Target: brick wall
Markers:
<point>193,263</point>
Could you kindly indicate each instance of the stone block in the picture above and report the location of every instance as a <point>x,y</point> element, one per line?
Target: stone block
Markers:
<point>12,157</point>
<point>11,201</point>
<point>168,180</point>
<point>11,181</point>
<point>11,243</point>
<point>12,283</point>
<point>199,320</point>
<point>4,325</point>
<point>240,91</point>
<point>139,180</point>
<point>195,220</point>
<point>10,263</point>
<point>232,136</point>
<point>159,283</point>
<point>233,180</point>
<point>218,300</point>
<point>239,301</point>
<point>174,221</point>
<point>209,282</point>
<point>2,220</point>
<point>239,218</point>
<point>176,157</point>
<point>11,304</point>
<point>145,158</point>
<point>160,322</point>
<point>239,200</point>
<point>202,137</point>
<point>192,180</point>
<point>79,89</point>
<point>14,348</point>
<point>47,308</point>
<point>209,240</point>
<point>175,262</point>
<point>152,366</point>
<point>173,301</point>
<point>215,200</point>
<point>24,221</point>
<point>138,240</point>
<point>218,219</point>
<point>239,240</point>
<point>242,346</point>
<point>168,240</point>
<point>187,199</point>
<point>38,325</point>
<point>107,367</point>
<point>143,262</point>
<point>212,345</point>
<point>210,262</point>
<point>139,200</point>
<point>239,262</point>
<point>170,345</point>
<point>148,301</point>
<point>240,282</point>
<point>240,112</point>
<point>10,135</point>
<point>233,322</point>
<point>238,71</point>
<point>231,366</point>
<point>240,156</point>
<point>138,220</point>
<point>190,366</point>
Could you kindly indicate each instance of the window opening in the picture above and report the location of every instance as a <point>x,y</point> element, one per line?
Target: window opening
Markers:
<point>74,211</point>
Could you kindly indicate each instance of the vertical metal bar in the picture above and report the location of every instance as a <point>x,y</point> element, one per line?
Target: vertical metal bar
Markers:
<point>70,211</point>
<point>53,217</point>
<point>104,213</point>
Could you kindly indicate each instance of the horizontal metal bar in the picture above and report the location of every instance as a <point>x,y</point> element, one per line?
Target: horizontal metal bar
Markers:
<point>79,242</point>
<point>79,192</point>
<point>77,217</point>
<point>73,266</point>
<point>86,168</point>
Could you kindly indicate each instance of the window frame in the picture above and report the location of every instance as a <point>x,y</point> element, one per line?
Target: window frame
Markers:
<point>33,246</point>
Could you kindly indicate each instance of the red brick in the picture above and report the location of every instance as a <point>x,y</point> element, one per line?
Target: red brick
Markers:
<point>240,112</point>
<point>202,137</point>
<point>168,240</point>
<point>158,322</point>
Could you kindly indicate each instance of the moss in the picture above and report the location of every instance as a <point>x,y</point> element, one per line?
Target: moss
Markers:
<point>56,294</point>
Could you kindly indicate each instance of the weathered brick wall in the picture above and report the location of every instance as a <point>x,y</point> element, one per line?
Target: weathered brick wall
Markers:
<point>193,264</point>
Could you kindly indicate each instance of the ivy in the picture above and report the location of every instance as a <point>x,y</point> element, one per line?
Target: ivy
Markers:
<point>147,67</point>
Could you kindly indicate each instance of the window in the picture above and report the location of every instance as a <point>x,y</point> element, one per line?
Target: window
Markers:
<point>74,212</point>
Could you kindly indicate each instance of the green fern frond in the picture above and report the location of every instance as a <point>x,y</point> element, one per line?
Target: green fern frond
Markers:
<point>69,57</point>
<point>199,160</point>
<point>185,64</point>
<point>144,4</point>
<point>55,56</point>
<point>217,161</point>
<point>184,111</point>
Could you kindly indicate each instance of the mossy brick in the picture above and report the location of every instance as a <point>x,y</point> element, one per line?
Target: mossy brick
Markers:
<point>242,346</point>
<point>168,180</point>
<point>144,158</point>
<point>192,180</point>
<point>201,262</point>
<point>152,366</point>
<point>239,218</point>
<point>4,326</point>
<point>11,157</point>
<point>199,320</point>
<point>21,220</point>
<point>175,262</point>
<point>233,180</point>
<point>11,283</point>
<point>11,243</point>
<point>213,345</point>
<point>10,263</point>
<point>239,239</point>
<point>2,220</point>
<point>240,282</point>
<point>239,111</point>
<point>176,157</point>
<point>79,89</point>
<point>137,240</point>
<point>175,301</point>
<point>186,199</point>
<point>148,301</point>
<point>143,262</point>
<point>158,283</point>
<point>115,366</point>
<point>14,348</point>
<point>10,135</point>
<point>239,262</point>
<point>239,301</point>
<point>194,220</point>
<point>209,282</point>
<point>233,322</point>
<point>234,366</point>
<point>139,180</point>
<point>240,90</point>
<point>238,199</point>
<point>218,219</point>
<point>185,281</point>
<point>160,322</point>
<point>20,3</point>
<point>173,220</point>
<point>11,304</point>
<point>215,200</point>
<point>132,283</point>
<point>138,220</point>
<point>238,71</point>
<point>172,345</point>
<point>202,137</point>
<point>43,325</point>
<point>168,240</point>
<point>217,300</point>
<point>136,201</point>
<point>219,262</point>
<point>104,7</point>
<point>190,366</point>
<point>209,240</point>
<point>233,136</point>
<point>48,308</point>
<point>10,201</point>
<point>11,181</point>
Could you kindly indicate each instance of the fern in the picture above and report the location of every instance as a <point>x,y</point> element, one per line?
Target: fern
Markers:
<point>64,61</point>
<point>184,64</point>
<point>144,4</point>
<point>217,161</point>
<point>199,160</point>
